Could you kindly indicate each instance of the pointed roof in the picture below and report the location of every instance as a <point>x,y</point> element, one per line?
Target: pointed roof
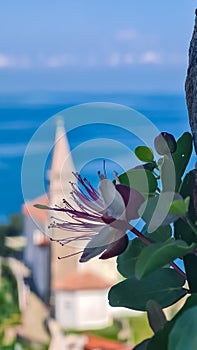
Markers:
<point>62,165</point>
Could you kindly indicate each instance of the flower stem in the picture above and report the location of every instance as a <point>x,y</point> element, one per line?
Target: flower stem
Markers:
<point>142,238</point>
<point>147,242</point>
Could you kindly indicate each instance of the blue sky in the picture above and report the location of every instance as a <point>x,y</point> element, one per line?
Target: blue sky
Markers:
<point>94,45</point>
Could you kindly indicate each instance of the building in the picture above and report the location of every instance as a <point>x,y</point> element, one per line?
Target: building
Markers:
<point>80,301</point>
<point>37,252</point>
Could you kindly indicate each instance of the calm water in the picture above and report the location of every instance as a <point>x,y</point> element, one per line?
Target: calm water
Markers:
<point>21,115</point>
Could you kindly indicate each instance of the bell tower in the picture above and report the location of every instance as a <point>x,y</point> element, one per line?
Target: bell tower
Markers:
<point>60,175</point>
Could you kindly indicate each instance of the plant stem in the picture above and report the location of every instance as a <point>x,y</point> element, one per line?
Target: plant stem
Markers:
<point>147,242</point>
<point>175,266</point>
<point>191,225</point>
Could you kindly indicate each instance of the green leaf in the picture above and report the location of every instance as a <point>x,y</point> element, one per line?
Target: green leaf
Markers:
<point>160,254</point>
<point>147,166</point>
<point>187,202</point>
<point>155,210</point>
<point>160,340</point>
<point>156,316</point>
<point>178,207</point>
<point>187,190</point>
<point>164,286</point>
<point>145,154</point>
<point>181,228</point>
<point>183,335</point>
<point>141,180</point>
<point>41,206</point>
<point>146,211</point>
<point>162,234</point>
<point>188,184</point>
<point>183,231</point>
<point>168,174</point>
<point>127,260</point>
<point>190,263</point>
<point>143,345</point>
<point>182,156</point>
<point>190,302</point>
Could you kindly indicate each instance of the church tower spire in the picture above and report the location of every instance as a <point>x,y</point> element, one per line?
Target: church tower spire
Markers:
<point>62,166</point>
<point>60,175</point>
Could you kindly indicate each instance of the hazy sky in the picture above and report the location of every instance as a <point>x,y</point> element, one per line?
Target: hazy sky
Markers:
<point>94,45</point>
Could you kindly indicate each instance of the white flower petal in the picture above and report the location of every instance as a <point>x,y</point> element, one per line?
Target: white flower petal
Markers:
<point>100,242</point>
<point>113,201</point>
<point>106,236</point>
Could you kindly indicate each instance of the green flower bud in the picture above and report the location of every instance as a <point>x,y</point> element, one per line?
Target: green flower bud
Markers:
<point>165,143</point>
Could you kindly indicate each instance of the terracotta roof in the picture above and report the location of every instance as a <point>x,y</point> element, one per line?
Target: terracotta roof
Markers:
<point>40,239</point>
<point>81,281</point>
<point>104,344</point>
<point>45,241</point>
<point>41,215</point>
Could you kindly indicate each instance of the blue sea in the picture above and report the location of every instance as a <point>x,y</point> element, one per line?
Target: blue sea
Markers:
<point>22,114</point>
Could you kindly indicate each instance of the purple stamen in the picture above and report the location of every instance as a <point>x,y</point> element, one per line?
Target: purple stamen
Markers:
<point>69,256</point>
<point>91,193</point>
<point>67,204</point>
<point>104,168</point>
<point>94,208</point>
<point>94,195</point>
<point>92,188</point>
<point>78,191</point>
<point>78,213</point>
